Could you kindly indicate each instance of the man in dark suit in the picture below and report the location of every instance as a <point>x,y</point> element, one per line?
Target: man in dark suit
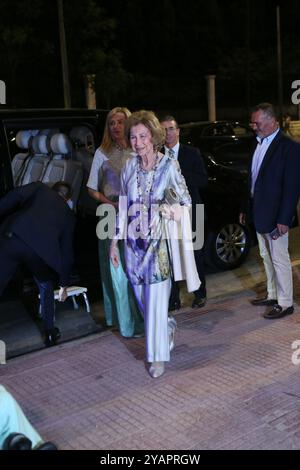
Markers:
<point>194,172</point>
<point>274,189</point>
<point>38,232</point>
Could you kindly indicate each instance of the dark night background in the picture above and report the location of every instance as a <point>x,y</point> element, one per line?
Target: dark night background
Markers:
<point>150,54</point>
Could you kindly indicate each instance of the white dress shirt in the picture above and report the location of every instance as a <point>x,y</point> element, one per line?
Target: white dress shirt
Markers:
<point>175,150</point>
<point>259,155</point>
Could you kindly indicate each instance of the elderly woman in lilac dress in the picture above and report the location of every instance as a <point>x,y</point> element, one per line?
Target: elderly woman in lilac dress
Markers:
<point>104,186</point>
<point>144,180</point>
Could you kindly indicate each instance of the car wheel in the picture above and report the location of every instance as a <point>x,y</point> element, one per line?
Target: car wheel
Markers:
<point>228,247</point>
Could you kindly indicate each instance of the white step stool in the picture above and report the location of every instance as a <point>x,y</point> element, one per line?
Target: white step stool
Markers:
<point>74,291</point>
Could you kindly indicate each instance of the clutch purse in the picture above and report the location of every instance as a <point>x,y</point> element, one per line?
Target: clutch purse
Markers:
<point>171,197</point>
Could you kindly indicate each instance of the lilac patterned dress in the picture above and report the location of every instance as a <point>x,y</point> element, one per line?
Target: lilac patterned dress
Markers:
<point>146,253</point>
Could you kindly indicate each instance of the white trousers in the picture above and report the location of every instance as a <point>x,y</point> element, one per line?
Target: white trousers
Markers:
<point>277,263</point>
<point>153,300</point>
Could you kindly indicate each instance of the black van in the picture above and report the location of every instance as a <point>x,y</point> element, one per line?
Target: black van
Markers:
<point>55,144</point>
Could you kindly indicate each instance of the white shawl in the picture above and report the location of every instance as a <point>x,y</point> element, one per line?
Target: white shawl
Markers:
<point>179,238</point>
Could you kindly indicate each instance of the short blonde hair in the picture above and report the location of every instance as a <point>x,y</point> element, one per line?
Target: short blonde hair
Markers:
<point>107,142</point>
<point>149,120</point>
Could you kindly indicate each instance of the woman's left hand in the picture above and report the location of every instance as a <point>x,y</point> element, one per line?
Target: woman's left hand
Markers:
<point>114,254</point>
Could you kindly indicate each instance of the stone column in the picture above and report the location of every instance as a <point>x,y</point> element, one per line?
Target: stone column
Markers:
<point>90,93</point>
<point>2,92</point>
<point>211,97</point>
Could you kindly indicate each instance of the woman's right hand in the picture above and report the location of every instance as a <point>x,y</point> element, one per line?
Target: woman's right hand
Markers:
<point>114,254</point>
<point>171,212</point>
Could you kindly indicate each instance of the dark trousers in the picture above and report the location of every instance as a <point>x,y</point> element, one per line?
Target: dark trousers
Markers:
<point>13,252</point>
<point>201,292</point>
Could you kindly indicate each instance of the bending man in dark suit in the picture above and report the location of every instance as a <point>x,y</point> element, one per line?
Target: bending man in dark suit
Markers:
<point>38,232</point>
<point>195,175</point>
<point>274,189</point>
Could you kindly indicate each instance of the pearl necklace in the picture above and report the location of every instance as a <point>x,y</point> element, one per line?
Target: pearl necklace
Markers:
<point>145,202</point>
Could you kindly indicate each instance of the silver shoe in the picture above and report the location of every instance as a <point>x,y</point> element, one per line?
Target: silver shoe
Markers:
<point>157,369</point>
<point>172,325</point>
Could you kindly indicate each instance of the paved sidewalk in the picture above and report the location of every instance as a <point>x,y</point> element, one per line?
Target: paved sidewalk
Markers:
<point>231,384</point>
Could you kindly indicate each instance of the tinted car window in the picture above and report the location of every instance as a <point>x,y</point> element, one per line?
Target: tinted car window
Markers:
<point>228,143</point>
<point>241,131</point>
<point>217,130</point>
<point>185,135</point>
<point>208,131</point>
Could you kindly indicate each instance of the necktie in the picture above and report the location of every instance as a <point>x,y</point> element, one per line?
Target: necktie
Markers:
<point>171,153</point>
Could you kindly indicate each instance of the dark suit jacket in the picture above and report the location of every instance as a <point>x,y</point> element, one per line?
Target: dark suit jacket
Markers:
<point>193,170</point>
<point>43,220</point>
<point>277,188</point>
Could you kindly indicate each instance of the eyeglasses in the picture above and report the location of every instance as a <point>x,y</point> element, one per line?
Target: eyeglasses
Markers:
<point>170,129</point>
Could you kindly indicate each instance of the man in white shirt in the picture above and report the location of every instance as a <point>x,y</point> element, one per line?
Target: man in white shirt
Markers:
<point>274,191</point>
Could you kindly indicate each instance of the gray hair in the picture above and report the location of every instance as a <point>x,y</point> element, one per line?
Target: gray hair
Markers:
<point>266,108</point>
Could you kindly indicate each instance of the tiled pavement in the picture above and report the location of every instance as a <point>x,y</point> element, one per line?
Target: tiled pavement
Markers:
<point>231,384</point>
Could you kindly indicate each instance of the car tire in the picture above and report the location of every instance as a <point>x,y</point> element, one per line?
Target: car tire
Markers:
<point>228,247</point>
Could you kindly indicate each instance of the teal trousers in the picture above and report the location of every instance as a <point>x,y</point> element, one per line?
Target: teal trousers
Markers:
<point>120,307</point>
<point>12,419</point>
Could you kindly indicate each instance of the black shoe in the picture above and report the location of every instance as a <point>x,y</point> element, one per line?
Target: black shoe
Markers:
<point>176,305</point>
<point>264,302</point>
<point>199,302</point>
<point>17,441</point>
<point>46,446</point>
<point>278,312</point>
<point>51,337</point>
